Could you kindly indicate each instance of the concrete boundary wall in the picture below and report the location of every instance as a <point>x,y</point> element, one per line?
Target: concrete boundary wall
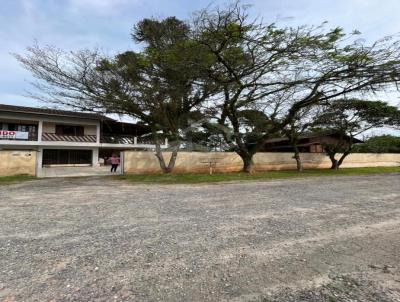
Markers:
<point>137,162</point>
<point>17,162</point>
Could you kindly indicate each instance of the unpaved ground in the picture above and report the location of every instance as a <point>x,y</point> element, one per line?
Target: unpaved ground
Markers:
<point>326,239</point>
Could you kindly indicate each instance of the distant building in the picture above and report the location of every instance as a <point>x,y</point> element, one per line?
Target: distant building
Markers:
<point>311,143</point>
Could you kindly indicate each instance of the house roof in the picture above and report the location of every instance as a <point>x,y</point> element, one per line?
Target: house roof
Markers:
<point>53,112</point>
<point>310,135</point>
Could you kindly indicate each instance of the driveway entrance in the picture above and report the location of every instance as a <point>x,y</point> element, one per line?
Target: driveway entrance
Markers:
<point>78,171</point>
<point>96,166</point>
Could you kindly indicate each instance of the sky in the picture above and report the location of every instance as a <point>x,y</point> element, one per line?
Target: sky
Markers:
<point>106,24</point>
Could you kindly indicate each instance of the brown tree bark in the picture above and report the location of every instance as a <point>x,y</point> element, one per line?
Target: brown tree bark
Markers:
<point>341,159</point>
<point>248,165</point>
<point>299,163</point>
<point>296,156</point>
<point>161,160</point>
<point>334,161</point>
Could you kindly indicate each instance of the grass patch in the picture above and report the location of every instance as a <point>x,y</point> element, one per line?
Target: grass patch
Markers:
<point>14,179</point>
<point>190,178</point>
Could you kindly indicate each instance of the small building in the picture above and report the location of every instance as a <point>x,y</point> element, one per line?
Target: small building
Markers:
<point>65,139</point>
<point>310,143</point>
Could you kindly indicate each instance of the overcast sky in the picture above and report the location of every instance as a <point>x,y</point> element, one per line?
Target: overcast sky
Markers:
<point>75,24</point>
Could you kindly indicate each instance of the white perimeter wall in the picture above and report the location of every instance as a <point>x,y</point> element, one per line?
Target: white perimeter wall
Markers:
<point>17,162</point>
<point>136,162</point>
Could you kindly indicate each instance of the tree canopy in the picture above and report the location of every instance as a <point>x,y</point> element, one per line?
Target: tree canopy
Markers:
<point>380,144</point>
<point>282,71</point>
<point>241,79</point>
<point>161,86</point>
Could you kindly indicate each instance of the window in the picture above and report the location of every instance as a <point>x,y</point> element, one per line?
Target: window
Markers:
<point>32,129</point>
<point>22,128</point>
<point>19,127</point>
<point>69,130</point>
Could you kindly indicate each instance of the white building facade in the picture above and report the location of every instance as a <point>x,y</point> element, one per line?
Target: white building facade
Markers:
<point>66,140</point>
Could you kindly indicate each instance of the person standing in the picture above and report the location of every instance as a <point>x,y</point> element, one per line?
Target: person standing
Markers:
<point>114,163</point>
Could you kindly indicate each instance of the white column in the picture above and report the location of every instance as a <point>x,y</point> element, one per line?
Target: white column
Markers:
<point>166,143</point>
<point>40,130</point>
<point>135,140</point>
<point>122,160</point>
<point>39,162</point>
<point>98,133</point>
<point>95,157</point>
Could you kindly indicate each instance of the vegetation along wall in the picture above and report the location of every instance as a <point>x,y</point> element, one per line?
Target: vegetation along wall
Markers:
<point>17,162</point>
<point>198,162</point>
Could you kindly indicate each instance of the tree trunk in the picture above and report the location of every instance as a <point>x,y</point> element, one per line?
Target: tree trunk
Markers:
<point>242,148</point>
<point>248,166</point>
<point>298,161</point>
<point>341,159</point>
<point>171,164</point>
<point>334,161</point>
<point>172,160</point>
<point>297,158</point>
<point>160,158</point>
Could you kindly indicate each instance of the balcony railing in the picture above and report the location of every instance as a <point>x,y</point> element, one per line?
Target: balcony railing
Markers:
<point>125,140</point>
<point>104,139</point>
<point>51,137</point>
<point>118,139</point>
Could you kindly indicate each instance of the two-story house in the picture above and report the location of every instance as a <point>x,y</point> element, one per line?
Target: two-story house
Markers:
<point>67,138</point>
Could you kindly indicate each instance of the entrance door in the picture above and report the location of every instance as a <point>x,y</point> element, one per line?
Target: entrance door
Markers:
<point>67,157</point>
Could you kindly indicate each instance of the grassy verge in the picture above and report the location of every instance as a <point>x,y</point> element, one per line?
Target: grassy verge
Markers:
<point>271,175</point>
<point>15,178</point>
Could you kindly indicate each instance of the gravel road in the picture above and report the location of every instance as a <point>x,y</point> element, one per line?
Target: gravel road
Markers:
<point>99,239</point>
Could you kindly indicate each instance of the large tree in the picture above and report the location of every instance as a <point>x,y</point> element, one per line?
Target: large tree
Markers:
<point>161,86</point>
<point>251,60</point>
<point>349,118</point>
<point>250,64</point>
<point>256,62</point>
<point>299,125</point>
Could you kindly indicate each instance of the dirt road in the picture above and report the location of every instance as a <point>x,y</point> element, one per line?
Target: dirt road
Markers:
<point>98,239</point>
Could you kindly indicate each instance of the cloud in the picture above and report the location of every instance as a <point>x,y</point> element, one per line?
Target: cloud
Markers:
<point>373,18</point>
<point>18,99</point>
<point>103,7</point>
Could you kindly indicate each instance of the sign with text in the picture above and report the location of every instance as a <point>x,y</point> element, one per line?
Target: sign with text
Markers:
<point>7,134</point>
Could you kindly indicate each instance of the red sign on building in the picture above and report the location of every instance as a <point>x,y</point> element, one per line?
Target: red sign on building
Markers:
<point>7,134</point>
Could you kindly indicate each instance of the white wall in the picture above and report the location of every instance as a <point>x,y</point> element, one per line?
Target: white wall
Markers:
<point>17,162</point>
<point>137,162</point>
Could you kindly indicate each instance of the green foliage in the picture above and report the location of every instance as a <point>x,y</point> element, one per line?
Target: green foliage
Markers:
<point>255,120</point>
<point>354,116</point>
<point>380,144</point>
<point>4,180</point>
<point>160,34</point>
<point>158,85</point>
